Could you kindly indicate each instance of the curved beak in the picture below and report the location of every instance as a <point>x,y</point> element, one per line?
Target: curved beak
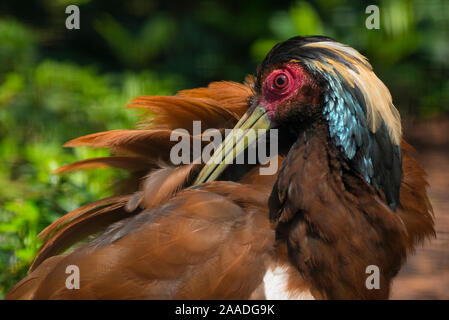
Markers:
<point>242,135</point>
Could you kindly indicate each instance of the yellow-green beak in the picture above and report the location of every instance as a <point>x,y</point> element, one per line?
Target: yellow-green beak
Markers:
<point>242,135</point>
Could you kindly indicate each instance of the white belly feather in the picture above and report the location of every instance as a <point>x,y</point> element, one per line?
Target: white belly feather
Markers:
<point>275,282</point>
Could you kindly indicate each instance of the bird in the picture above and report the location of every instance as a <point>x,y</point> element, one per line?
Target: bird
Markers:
<point>347,193</point>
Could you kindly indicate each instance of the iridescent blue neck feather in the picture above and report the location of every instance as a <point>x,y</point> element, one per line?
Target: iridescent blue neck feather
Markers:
<point>373,155</point>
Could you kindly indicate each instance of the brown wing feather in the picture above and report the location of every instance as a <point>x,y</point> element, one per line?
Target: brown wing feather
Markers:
<point>143,151</point>
<point>26,288</point>
<point>175,112</point>
<point>219,105</point>
<point>120,162</point>
<point>232,96</point>
<point>92,218</point>
<point>184,249</point>
<point>415,209</point>
<point>147,143</point>
<point>79,212</point>
<point>162,184</point>
<point>80,228</point>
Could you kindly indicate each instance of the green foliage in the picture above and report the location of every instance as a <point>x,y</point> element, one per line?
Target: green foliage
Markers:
<point>155,35</point>
<point>409,52</point>
<point>18,46</point>
<point>58,84</point>
<point>41,107</point>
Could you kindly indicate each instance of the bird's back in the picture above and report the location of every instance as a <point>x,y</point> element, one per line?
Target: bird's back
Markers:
<point>211,242</point>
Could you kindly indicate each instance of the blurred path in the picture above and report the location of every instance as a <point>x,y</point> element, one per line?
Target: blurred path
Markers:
<point>426,274</point>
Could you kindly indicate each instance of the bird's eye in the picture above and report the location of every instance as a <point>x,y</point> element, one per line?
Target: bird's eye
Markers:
<point>280,81</point>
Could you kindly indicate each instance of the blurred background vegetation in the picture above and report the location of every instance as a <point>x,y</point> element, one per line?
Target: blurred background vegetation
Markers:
<point>57,84</point>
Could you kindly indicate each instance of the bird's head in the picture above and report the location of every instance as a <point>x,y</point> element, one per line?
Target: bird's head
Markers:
<point>287,91</point>
<point>303,82</point>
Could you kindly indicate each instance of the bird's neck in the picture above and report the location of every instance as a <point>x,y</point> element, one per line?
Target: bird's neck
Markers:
<point>333,223</point>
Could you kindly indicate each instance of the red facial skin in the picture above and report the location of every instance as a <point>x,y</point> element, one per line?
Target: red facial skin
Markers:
<point>274,97</point>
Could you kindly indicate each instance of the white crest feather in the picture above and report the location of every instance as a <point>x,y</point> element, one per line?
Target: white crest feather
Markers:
<point>378,101</point>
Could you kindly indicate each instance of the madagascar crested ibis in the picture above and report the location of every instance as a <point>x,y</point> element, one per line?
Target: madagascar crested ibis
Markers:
<point>347,193</point>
